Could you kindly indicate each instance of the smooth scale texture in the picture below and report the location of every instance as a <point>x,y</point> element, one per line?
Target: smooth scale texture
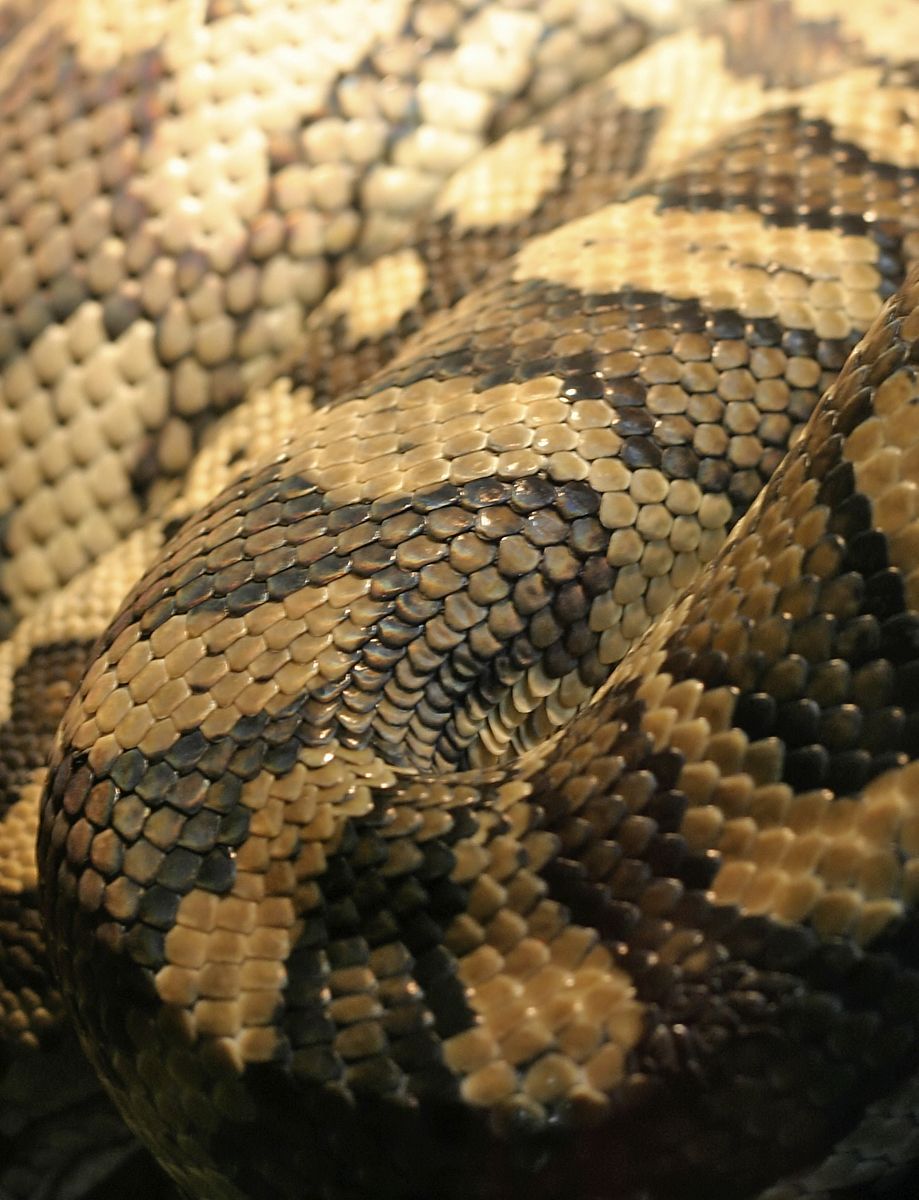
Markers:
<point>462,601</point>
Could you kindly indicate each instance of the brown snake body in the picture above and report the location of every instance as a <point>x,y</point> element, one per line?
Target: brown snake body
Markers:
<point>462,602</point>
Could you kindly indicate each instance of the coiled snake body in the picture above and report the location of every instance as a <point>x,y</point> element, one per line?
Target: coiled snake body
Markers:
<point>468,778</point>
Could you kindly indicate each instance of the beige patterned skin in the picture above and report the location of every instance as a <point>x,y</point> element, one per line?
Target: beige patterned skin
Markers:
<point>461,675</point>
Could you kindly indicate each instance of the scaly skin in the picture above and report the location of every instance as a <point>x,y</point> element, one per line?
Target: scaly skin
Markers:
<point>468,799</point>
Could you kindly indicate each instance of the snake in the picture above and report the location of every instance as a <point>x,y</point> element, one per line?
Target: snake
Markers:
<point>459,598</point>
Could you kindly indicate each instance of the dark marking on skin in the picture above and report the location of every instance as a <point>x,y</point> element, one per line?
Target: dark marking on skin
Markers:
<point>759,988</point>
<point>789,198</point>
<point>146,469</point>
<point>171,528</point>
<point>42,688</point>
<point>484,347</point>
<point>771,43</point>
<point>605,143</point>
<point>24,967</point>
<point>7,616</point>
<point>753,1059</point>
<point>220,10</point>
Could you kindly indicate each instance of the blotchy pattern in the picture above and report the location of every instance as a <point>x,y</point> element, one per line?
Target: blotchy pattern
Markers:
<point>178,189</point>
<point>468,780</point>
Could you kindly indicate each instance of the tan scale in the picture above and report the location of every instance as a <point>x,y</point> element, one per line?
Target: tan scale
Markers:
<point>373,298</point>
<point>80,612</point>
<point>18,832</point>
<point>556,1021</point>
<point>879,29</point>
<point>724,259</point>
<point>883,452</point>
<point>846,865</point>
<point>210,259</point>
<point>226,955</point>
<point>722,100</point>
<point>512,418</point>
<point>562,1007</point>
<point>505,183</point>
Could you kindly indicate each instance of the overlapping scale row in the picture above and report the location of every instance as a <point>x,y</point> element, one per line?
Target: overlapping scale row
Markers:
<point>739,809</point>
<point>178,188</point>
<point>158,247</point>
<point>797,139</point>
<point>368,944</point>
<point>686,922</point>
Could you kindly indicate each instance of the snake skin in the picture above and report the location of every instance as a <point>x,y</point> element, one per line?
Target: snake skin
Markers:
<point>461,674</point>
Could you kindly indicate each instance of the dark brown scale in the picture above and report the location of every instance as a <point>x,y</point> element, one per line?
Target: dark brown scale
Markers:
<point>758,1044</point>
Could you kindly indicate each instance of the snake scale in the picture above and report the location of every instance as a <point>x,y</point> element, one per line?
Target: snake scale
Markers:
<point>459,582</point>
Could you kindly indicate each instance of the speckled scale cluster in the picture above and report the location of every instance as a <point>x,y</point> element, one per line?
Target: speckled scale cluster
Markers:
<point>29,1000</point>
<point>682,919</point>
<point>697,395</point>
<point>793,666</point>
<point>676,867</point>
<point>178,190</point>
<point>584,154</point>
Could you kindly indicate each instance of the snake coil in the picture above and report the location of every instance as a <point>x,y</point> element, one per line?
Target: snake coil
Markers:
<point>461,600</point>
